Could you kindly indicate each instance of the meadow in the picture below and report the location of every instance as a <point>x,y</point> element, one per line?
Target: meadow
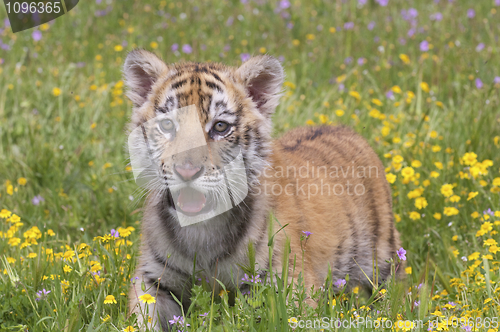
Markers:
<point>420,80</point>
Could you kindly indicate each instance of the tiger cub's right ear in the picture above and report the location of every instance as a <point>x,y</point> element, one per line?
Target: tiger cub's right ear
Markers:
<point>141,70</point>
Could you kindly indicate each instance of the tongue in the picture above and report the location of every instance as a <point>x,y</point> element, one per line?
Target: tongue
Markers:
<point>191,200</point>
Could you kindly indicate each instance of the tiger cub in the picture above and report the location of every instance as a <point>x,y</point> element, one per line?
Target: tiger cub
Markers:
<point>201,141</point>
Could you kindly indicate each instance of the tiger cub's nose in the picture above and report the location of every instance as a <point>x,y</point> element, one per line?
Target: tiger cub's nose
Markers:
<point>188,172</point>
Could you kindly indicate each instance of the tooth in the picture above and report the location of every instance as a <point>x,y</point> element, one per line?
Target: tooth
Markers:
<point>202,206</point>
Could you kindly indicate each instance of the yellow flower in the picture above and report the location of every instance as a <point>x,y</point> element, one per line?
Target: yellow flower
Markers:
<point>437,216</point>
<point>323,118</point>
<point>455,199</point>
<point>416,163</point>
<point>494,249</point>
<point>129,329</point>
<point>398,159</point>
<point>310,122</point>
<point>450,211</point>
<point>22,181</point>
<point>472,195</point>
<point>10,190</point>
<point>420,203</point>
<point>110,299</point>
<point>455,238</point>
<point>396,89</point>
<point>434,174</point>
<point>355,94</point>
<point>439,165</point>
<point>50,232</point>
<point>408,270</point>
<point>5,213</point>
<point>153,45</point>
<point>391,178</point>
<point>14,241</point>
<point>434,134</point>
<point>11,260</point>
<point>67,269</point>
<point>424,86</point>
<point>447,190</point>
<point>475,215</point>
<point>56,91</point>
<point>414,215</point>
<point>405,58</point>
<point>118,48</point>
<point>470,158</point>
<point>294,320</point>
<point>339,112</point>
<point>32,255</point>
<point>490,242</point>
<point>407,172</point>
<point>473,256</point>
<point>436,148</point>
<point>377,102</point>
<point>146,298</point>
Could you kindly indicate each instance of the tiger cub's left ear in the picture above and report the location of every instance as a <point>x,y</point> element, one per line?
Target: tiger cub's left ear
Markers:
<point>263,78</point>
<point>141,70</point>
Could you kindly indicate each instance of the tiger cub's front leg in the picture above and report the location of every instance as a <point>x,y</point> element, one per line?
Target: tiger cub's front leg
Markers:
<point>163,285</point>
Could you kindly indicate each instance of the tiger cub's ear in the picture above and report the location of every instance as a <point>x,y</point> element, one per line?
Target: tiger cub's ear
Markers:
<point>263,77</point>
<point>141,70</point>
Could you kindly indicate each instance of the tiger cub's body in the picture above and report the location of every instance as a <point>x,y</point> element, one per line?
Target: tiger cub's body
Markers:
<point>298,177</point>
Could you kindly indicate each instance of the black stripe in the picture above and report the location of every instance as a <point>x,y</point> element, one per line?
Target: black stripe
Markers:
<point>179,84</point>
<point>217,77</point>
<point>213,86</point>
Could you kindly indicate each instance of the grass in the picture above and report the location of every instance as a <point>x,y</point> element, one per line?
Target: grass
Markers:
<point>431,115</point>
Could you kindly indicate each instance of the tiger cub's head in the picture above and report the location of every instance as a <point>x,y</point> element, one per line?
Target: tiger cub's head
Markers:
<point>200,132</point>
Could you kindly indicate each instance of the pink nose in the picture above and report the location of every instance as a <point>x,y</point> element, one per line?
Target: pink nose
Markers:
<point>187,171</point>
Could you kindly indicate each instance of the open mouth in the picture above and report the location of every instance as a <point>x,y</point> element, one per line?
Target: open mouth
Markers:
<point>190,201</point>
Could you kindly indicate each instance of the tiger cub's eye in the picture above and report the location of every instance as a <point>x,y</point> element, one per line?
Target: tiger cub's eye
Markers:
<point>221,126</point>
<point>166,125</point>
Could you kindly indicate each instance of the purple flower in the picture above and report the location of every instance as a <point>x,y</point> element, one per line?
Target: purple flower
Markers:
<point>284,4</point>
<point>361,61</point>
<point>362,2</point>
<point>341,87</point>
<point>467,328</point>
<point>402,41</point>
<point>491,213</point>
<point>204,314</point>
<point>174,47</point>
<point>349,26</point>
<point>289,25</point>
<point>497,2</point>
<point>348,60</point>
<point>411,32</point>
<point>36,35</point>
<point>416,303</point>
<point>307,233</point>
<point>424,46</point>
<point>436,16</point>
<point>179,320</point>
<point>37,199</point>
<point>371,25</point>
<point>409,14</point>
<point>479,83</point>
<point>471,13</point>
<point>383,3</point>
<point>186,48</point>
<point>251,279</point>
<point>115,233</point>
<point>401,254</point>
<point>389,94</point>
<point>479,47</point>
<point>496,80</point>
<point>244,57</point>
<point>230,21</point>
<point>339,283</point>
<point>40,295</point>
